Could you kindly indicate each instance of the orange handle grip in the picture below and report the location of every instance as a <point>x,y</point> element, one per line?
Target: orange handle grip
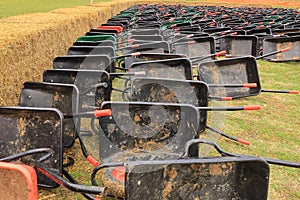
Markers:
<point>250,85</point>
<point>226,98</point>
<point>243,141</point>
<point>142,73</point>
<point>190,36</point>
<point>294,92</point>
<point>252,107</point>
<point>135,46</point>
<point>285,49</point>
<point>136,54</point>
<point>221,53</point>
<point>92,160</point>
<point>103,113</point>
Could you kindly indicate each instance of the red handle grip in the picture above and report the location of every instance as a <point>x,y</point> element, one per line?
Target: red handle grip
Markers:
<point>190,36</point>
<point>243,141</point>
<point>226,98</point>
<point>252,107</point>
<point>171,19</point>
<point>103,113</point>
<point>221,53</point>
<point>135,46</point>
<point>131,40</point>
<point>285,49</point>
<point>141,73</point>
<point>191,42</point>
<point>135,54</point>
<point>250,85</point>
<point>294,92</point>
<point>92,160</point>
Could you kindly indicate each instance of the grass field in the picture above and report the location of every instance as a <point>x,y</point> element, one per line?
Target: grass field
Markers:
<point>19,7</point>
<point>273,131</point>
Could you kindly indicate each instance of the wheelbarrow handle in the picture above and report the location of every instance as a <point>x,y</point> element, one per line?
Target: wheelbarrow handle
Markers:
<point>71,186</point>
<point>273,53</point>
<point>189,143</point>
<point>239,140</point>
<point>224,153</point>
<point>199,58</point>
<point>139,73</point>
<point>236,108</point>
<point>220,98</point>
<point>282,91</point>
<point>89,114</point>
<point>102,166</point>
<point>243,85</point>
<point>182,38</point>
<point>28,153</point>
<point>135,54</point>
<point>282,163</point>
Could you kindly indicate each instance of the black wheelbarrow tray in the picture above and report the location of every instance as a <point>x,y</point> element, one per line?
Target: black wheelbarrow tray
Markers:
<point>149,47</point>
<point>240,70</point>
<point>274,44</point>
<point>144,131</point>
<point>97,83</point>
<point>239,45</point>
<point>92,50</point>
<point>87,62</point>
<point>185,177</point>
<point>148,89</point>
<point>177,68</point>
<point>194,47</point>
<point>24,128</point>
<point>148,57</point>
<point>64,97</point>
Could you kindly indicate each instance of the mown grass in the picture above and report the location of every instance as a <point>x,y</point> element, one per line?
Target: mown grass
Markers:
<point>19,7</point>
<point>274,130</point>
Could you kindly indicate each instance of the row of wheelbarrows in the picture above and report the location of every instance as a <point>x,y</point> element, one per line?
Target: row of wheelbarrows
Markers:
<point>159,62</point>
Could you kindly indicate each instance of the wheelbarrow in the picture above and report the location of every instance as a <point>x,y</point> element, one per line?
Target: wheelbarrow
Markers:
<point>144,163</point>
<point>149,57</point>
<point>195,47</point>
<point>178,91</point>
<point>90,83</point>
<point>234,176</point>
<point>273,44</point>
<point>26,128</point>
<point>240,70</point>
<point>92,50</point>
<point>239,45</point>
<point>64,97</point>
<point>93,62</point>
<point>178,68</point>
